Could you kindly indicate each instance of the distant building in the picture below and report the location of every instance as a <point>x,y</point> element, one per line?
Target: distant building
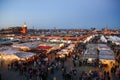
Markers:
<point>108,31</point>
<point>11,30</point>
<point>15,30</point>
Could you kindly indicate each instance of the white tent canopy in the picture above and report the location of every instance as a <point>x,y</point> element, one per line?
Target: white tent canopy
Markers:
<point>114,38</point>
<point>91,51</point>
<point>67,50</point>
<point>20,54</point>
<point>104,52</point>
<point>27,45</point>
<point>103,39</point>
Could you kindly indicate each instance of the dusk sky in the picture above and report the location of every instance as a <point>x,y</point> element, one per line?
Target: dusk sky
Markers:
<point>62,14</point>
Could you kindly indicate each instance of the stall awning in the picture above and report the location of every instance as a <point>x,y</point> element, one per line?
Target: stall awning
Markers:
<point>106,57</point>
<point>8,52</point>
<point>44,47</point>
<point>86,56</point>
<point>106,52</point>
<point>24,54</point>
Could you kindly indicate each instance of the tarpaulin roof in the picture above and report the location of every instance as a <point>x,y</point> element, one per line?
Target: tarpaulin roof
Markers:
<point>44,47</point>
<point>107,57</point>
<point>24,54</point>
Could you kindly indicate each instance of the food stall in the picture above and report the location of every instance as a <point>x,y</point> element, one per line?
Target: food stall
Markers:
<point>107,57</point>
<point>9,55</point>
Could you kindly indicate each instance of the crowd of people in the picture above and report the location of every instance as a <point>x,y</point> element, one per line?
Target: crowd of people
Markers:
<point>41,69</point>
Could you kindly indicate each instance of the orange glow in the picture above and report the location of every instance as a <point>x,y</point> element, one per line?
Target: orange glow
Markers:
<point>24,29</point>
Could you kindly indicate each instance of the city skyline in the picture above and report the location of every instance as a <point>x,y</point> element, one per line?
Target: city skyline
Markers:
<point>69,14</point>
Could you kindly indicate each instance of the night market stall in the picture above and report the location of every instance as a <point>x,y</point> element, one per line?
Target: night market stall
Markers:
<point>91,53</point>
<point>9,55</point>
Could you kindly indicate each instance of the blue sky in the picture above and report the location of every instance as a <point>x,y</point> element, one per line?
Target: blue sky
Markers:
<point>62,14</point>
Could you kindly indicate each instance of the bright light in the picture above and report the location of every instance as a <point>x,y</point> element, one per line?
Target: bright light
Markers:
<point>11,38</point>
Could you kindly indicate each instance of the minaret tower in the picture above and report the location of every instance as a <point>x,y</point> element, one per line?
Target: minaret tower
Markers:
<point>24,29</point>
